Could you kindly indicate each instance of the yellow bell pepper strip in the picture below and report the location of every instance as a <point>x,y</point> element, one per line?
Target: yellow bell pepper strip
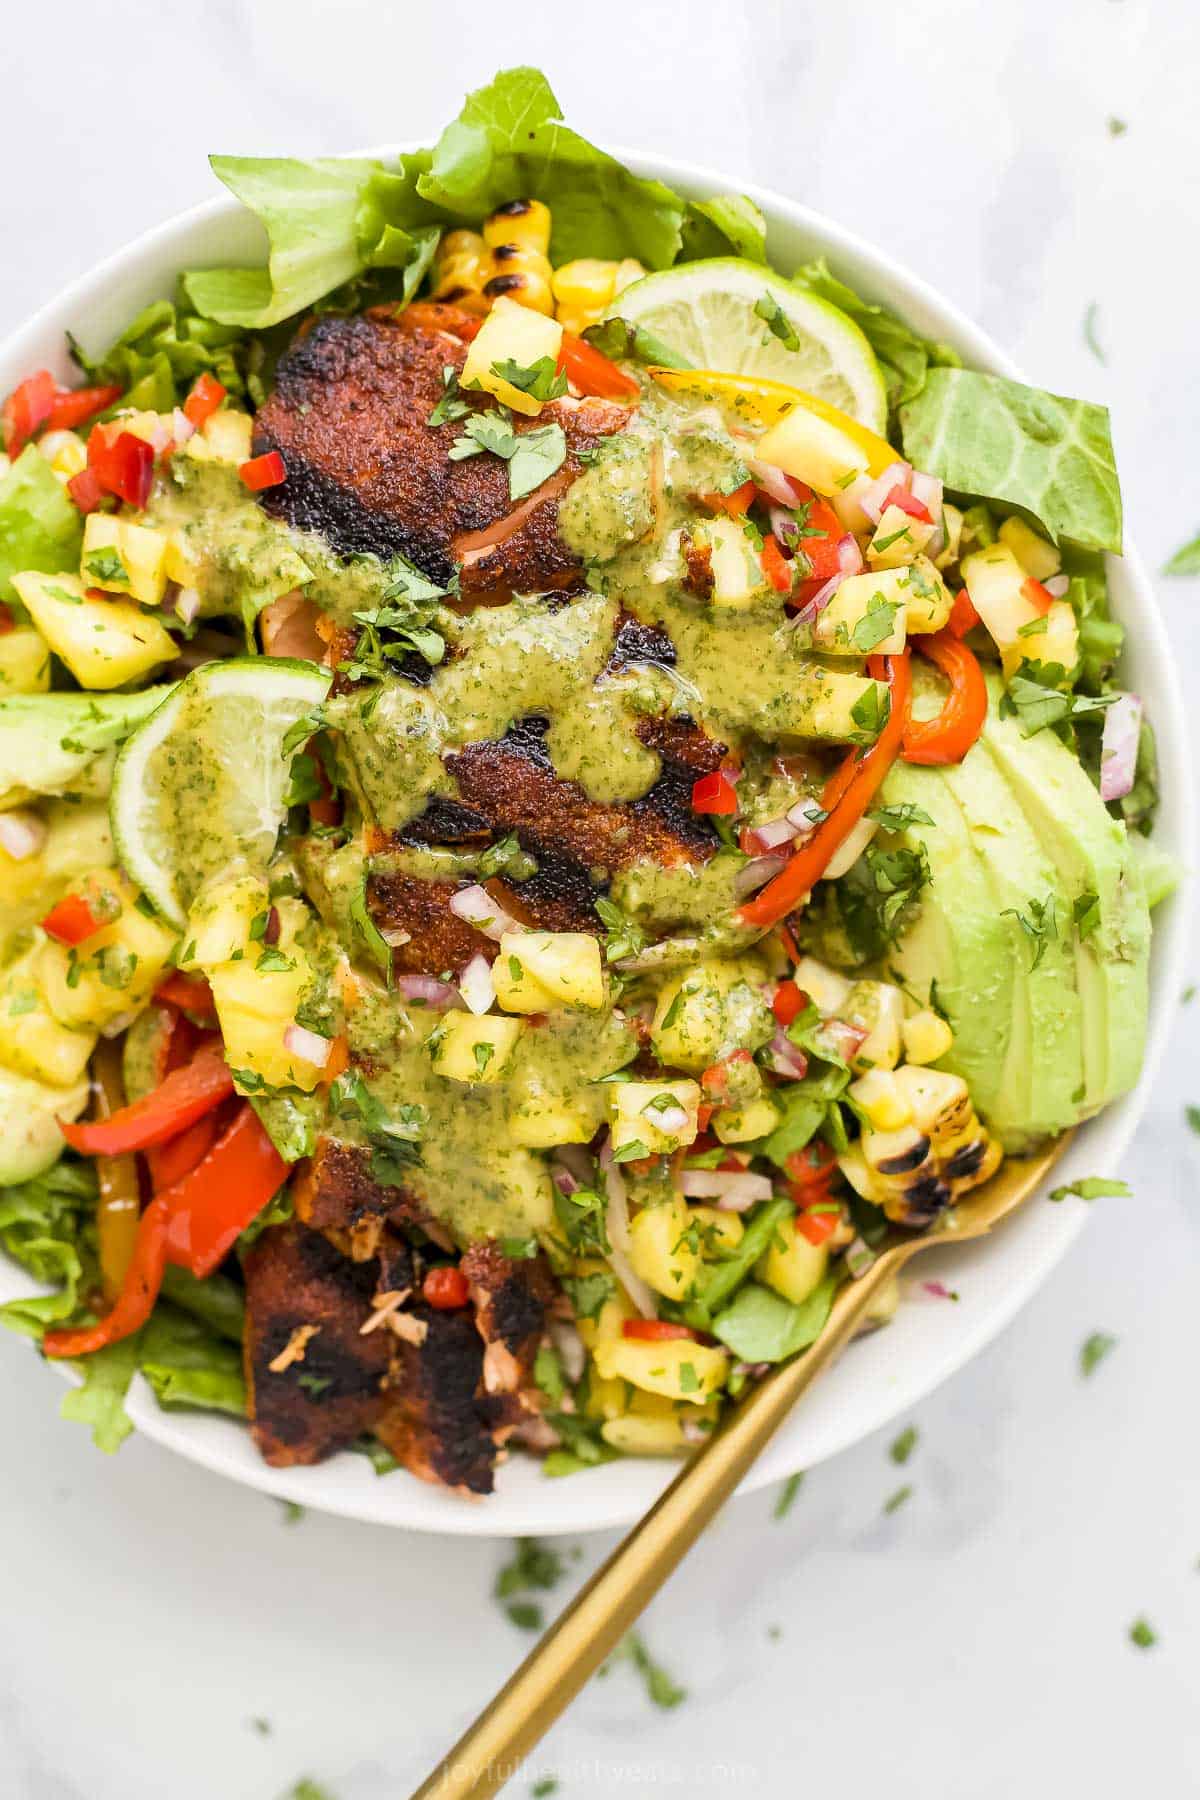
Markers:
<point>766,402</point>
<point>119,1200</point>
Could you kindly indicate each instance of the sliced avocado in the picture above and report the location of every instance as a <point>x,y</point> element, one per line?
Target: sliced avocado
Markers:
<point>1092,855</point>
<point>30,1140</point>
<point>61,743</point>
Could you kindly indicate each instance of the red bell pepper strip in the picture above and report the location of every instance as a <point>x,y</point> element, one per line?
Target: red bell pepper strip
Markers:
<point>265,471</point>
<point>26,410</point>
<point>446,1289</point>
<point>592,372</point>
<point>714,793</point>
<point>190,993</point>
<point>775,566</point>
<point>657,1331</point>
<point>135,1302</point>
<point>819,551</point>
<point>75,406</point>
<point>210,1206</point>
<point>948,737</point>
<point>1040,598</point>
<point>856,783</point>
<point>122,463</point>
<point>71,920</point>
<point>908,503</point>
<point>184,1096</point>
<point>170,1162</point>
<point>963,617</point>
<point>203,401</point>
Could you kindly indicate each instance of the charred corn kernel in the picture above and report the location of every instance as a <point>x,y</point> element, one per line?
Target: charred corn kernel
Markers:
<point>525,223</point>
<point>520,275</point>
<point>629,270</point>
<point>461,265</point>
<point>926,1037</point>
<point>916,1171</point>
<point>65,452</point>
<point>880,1097</point>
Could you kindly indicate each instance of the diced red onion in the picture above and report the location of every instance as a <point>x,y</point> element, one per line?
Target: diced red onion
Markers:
<point>754,1371</point>
<point>806,814</point>
<point>773,833</point>
<point>309,1044</point>
<point>1058,586</point>
<point>928,489</point>
<point>476,906</point>
<point>1119,747</point>
<point>181,426</point>
<point>859,1257</point>
<point>897,474</point>
<point>838,1035</point>
<point>756,874</point>
<point>670,1120</point>
<point>850,556</point>
<point>564,1181</point>
<point>22,833</point>
<point>730,1190</point>
<point>187,605</point>
<point>428,991</point>
<point>786,1058</point>
<point>476,986</point>
<point>617,1223</point>
<point>693,1432</point>
<point>812,609</point>
<point>772,481</point>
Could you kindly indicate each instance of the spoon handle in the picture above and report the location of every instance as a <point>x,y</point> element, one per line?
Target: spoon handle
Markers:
<point>492,1750</point>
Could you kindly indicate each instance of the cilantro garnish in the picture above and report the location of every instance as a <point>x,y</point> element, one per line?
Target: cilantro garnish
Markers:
<point>777,322</point>
<point>377,945</point>
<point>1086,914</point>
<point>633,1151</point>
<point>1040,925</point>
<point>532,456</point>
<point>1094,1349</point>
<point>106,565</point>
<point>895,1501</point>
<point>876,624</point>
<point>451,406</point>
<point>903,1446</point>
<point>873,709</point>
<point>542,380</point>
<point>483,1054</point>
<point>899,817</point>
<point>661,1688</point>
<point>624,938</point>
<point>1143,1634</point>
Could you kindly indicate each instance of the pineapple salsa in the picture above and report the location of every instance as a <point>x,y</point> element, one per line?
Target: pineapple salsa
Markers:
<point>559,787</point>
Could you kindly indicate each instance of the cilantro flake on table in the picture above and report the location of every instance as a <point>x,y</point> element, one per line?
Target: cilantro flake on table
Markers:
<point>1094,1349</point>
<point>895,1501</point>
<point>1143,1634</point>
<point>903,1446</point>
<point>787,1495</point>
<point>1093,1187</point>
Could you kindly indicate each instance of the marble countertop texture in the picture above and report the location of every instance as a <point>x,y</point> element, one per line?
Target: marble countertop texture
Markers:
<point>973,1644</point>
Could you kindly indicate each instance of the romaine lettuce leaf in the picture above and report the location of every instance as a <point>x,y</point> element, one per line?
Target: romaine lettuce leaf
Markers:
<point>216,1301</point>
<point>1186,560</point>
<point>158,357</point>
<point>903,355</point>
<point>1100,636</point>
<point>100,1401</point>
<point>40,526</point>
<point>188,1365</point>
<point>995,439</point>
<point>42,1227</point>
<point>759,1326</point>
<point>726,225</point>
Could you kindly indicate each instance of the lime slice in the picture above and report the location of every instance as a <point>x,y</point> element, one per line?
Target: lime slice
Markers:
<point>199,789</point>
<point>705,312</point>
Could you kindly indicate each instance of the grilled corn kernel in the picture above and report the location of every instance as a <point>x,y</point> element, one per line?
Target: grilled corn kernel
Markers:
<point>525,223</point>
<point>926,1037</point>
<point>881,1098</point>
<point>574,321</point>
<point>460,266</point>
<point>520,275</point>
<point>586,283</point>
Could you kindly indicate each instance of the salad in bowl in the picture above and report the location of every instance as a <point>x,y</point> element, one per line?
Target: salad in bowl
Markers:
<point>559,787</point>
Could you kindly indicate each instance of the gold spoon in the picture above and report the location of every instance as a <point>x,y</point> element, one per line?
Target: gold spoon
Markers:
<point>494,1747</point>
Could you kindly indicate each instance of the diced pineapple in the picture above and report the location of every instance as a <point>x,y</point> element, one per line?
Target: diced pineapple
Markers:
<point>636,1435</point>
<point>65,451</point>
<point>737,576</point>
<point>537,971</point>
<point>862,607</point>
<point>124,558</point>
<point>742,1124</point>
<point>674,1367</point>
<point>879,1095</point>
<point>24,662</point>
<point>713,1008</point>
<point>898,538</point>
<point>926,1037</point>
<point>878,1008</point>
<point>606,1327</point>
<point>113,971</point>
<point>605,1399</point>
<point>1058,643</point>
<point>510,333</point>
<point>104,643</point>
<point>1036,555</point>
<point>225,437</point>
<point>32,1041</point>
<point>474,1049</point>
<point>660,1248</point>
<point>720,1232</point>
<point>814,450</point>
<point>219,923</point>
<point>639,1107</point>
<point>542,1120</point>
<point>823,985</point>
<point>181,563</point>
<point>928,601</point>
<point>996,582</point>
<point>258,987</point>
<point>793,1266</point>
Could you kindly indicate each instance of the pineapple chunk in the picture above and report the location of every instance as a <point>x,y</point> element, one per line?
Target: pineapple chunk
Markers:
<point>114,970</point>
<point>1058,643</point>
<point>741,1124</point>
<point>257,987</point>
<point>124,558</point>
<point>542,1120</point>
<point>928,601</point>
<point>675,1367</point>
<point>880,1096</point>
<point>878,1008</point>
<point>737,575</point>
<point>898,538</point>
<point>655,1427</point>
<point>32,1041</point>
<point>474,1050</point>
<point>180,562</point>
<point>104,643</point>
<point>639,1106</point>
<point>606,1327</point>
<point>538,970</point>
<point>219,923</point>
<point>793,1266</point>
<point>996,581</point>
<point>516,334</point>
<point>1036,555</point>
<point>660,1251</point>
<point>847,626</point>
<point>823,985</point>
<point>720,1232</point>
<point>225,437</point>
<point>814,450</point>
<point>24,662</point>
<point>65,451</point>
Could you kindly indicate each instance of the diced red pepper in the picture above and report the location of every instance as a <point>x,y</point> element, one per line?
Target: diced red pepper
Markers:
<point>817,1226</point>
<point>213,1203</point>
<point>26,410</point>
<point>908,503</point>
<point>446,1289</point>
<point>737,504</point>
<point>123,464</point>
<point>589,370</point>
<point>704,1113</point>
<point>204,399</point>
<point>963,617</point>
<point>75,406</point>
<point>715,1079</point>
<point>326,809</point>
<point>657,1331</point>
<point>338,1060</point>
<point>85,490</point>
<point>819,551</point>
<point>143,1279</point>
<point>183,1097</point>
<point>190,993</point>
<point>788,1002</point>
<point>265,471</point>
<point>714,793</point>
<point>812,1164</point>
<point>7,622</point>
<point>1038,597</point>
<point>71,920</point>
<point>776,567</point>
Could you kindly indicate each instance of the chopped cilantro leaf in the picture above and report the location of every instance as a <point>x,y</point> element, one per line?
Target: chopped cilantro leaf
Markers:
<point>1094,1349</point>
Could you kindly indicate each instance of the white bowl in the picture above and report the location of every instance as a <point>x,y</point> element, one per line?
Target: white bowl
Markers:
<point>885,1374</point>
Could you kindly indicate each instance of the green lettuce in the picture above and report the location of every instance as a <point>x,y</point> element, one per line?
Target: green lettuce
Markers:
<point>49,741</point>
<point>42,1227</point>
<point>1100,636</point>
<point>1186,560</point>
<point>904,357</point>
<point>759,1326</point>
<point>40,526</point>
<point>157,358</point>
<point>189,1365</point>
<point>726,225</point>
<point>995,439</point>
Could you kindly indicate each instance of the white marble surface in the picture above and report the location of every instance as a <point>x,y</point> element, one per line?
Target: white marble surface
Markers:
<point>974,1643</point>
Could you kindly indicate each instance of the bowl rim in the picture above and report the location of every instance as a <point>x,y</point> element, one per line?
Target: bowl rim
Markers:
<point>593,1501</point>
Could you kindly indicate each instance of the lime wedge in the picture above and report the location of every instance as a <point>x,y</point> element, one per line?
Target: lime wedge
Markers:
<point>705,311</point>
<point>199,789</point>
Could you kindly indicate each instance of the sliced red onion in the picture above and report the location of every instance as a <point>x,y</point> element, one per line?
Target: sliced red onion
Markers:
<point>756,874</point>
<point>569,1345</point>
<point>22,833</point>
<point>1058,586</point>
<point>564,1181</point>
<point>620,1243</point>
<point>309,1044</point>
<point>730,1190</point>
<point>428,991</point>
<point>772,481</point>
<point>476,986</point>
<point>773,833</point>
<point>786,1058</point>
<point>187,605</point>
<point>1119,747</point>
<point>897,474</point>
<point>784,527</point>
<point>812,609</point>
<point>850,556</point>
<point>476,906</point>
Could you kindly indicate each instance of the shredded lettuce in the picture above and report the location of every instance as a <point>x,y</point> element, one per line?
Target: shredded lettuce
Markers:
<point>40,526</point>
<point>995,439</point>
<point>160,354</point>
<point>188,1365</point>
<point>99,1401</point>
<point>904,357</point>
<point>42,1227</point>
